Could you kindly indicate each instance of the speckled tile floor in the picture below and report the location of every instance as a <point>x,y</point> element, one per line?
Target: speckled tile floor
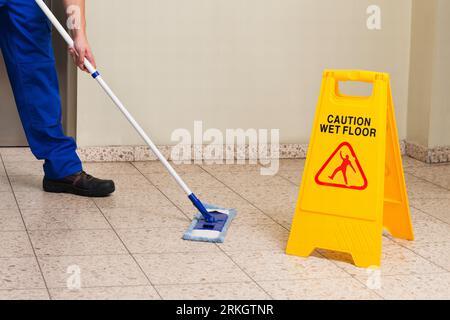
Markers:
<point>128,246</point>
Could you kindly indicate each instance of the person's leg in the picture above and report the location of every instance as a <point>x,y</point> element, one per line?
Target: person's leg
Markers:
<point>25,39</point>
<point>335,173</point>
<point>344,173</point>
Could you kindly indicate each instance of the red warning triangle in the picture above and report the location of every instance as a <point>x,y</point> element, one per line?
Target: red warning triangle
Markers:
<point>342,170</point>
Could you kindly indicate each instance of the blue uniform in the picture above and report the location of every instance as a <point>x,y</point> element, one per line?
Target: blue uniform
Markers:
<point>25,41</point>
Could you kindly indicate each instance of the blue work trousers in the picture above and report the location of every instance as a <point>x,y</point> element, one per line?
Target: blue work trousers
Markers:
<point>25,41</point>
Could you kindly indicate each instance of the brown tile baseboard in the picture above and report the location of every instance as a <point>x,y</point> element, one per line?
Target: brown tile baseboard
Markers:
<point>143,153</point>
<point>428,155</point>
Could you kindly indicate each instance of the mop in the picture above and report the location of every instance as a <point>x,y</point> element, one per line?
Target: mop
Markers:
<point>211,223</point>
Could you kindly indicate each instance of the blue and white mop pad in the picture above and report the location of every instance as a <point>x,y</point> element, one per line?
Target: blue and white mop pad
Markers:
<point>201,230</point>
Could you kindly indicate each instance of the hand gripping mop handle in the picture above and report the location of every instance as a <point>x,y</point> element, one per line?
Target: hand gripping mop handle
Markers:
<point>96,75</point>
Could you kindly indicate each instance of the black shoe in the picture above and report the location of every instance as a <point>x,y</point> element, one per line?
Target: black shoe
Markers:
<point>80,184</point>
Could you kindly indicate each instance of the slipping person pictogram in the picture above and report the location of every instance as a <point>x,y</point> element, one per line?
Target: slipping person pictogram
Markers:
<point>343,168</point>
<point>343,158</point>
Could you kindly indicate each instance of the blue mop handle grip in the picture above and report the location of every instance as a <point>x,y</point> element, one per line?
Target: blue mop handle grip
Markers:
<point>199,205</point>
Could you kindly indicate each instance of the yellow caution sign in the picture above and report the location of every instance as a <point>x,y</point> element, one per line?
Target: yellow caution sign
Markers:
<point>353,183</point>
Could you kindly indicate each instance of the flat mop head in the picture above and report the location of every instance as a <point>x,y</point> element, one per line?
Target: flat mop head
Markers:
<point>201,230</point>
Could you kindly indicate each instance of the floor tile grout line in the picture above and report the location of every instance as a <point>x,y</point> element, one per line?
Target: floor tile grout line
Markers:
<point>291,182</point>
<point>243,198</point>
<point>84,229</point>
<point>278,174</point>
<point>227,282</point>
<point>134,253</point>
<point>444,270</point>
<point>126,254</point>
<point>44,256</point>
<point>164,194</point>
<point>430,215</point>
<point>425,258</point>
<point>365,286</point>
<point>214,177</point>
<point>420,179</point>
<point>181,252</point>
<point>267,280</point>
<point>391,275</point>
<point>431,182</point>
<point>107,287</point>
<point>160,284</point>
<point>247,274</point>
<point>26,230</point>
<point>21,289</point>
<point>425,243</point>
<point>217,246</point>
<point>347,272</point>
<point>62,229</point>
<point>110,286</point>
<point>128,250</point>
<point>397,275</point>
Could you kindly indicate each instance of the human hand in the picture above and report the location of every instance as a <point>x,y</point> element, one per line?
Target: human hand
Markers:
<point>81,50</point>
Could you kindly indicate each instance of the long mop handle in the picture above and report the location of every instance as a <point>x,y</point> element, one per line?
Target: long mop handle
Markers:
<point>96,75</point>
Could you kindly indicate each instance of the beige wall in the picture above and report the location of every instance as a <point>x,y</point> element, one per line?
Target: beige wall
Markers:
<point>440,101</point>
<point>231,63</point>
<point>429,105</point>
<point>420,84</point>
